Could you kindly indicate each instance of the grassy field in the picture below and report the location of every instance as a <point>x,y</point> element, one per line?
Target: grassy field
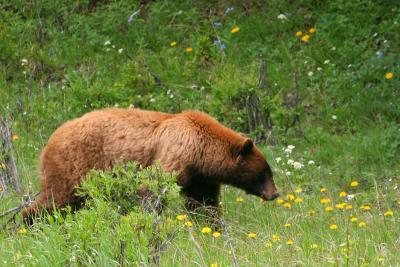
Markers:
<point>331,94</point>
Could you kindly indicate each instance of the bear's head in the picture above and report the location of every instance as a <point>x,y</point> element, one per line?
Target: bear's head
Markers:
<point>251,171</point>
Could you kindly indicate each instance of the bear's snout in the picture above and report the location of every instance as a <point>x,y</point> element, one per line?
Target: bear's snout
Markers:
<point>270,192</point>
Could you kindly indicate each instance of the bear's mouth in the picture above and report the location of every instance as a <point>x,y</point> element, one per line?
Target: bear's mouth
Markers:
<point>270,196</point>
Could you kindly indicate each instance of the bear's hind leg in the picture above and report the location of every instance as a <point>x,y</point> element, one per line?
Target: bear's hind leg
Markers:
<point>29,214</point>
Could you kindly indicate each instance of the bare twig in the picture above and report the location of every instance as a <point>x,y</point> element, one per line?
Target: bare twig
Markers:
<point>229,239</point>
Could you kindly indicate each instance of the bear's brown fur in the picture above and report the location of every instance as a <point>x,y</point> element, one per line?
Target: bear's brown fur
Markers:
<point>204,153</point>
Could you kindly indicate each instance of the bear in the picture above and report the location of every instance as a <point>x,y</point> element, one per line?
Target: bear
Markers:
<point>204,154</point>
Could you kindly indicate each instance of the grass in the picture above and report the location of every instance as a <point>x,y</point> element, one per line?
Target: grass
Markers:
<point>61,59</point>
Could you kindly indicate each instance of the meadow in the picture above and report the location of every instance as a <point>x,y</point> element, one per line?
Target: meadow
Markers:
<point>315,83</point>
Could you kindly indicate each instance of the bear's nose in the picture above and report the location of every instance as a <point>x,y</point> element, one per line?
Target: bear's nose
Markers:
<point>274,196</point>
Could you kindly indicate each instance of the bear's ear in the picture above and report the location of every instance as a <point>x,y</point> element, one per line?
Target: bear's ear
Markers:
<point>246,147</point>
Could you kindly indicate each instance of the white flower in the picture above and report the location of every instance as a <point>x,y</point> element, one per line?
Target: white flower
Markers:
<point>334,117</point>
<point>375,34</point>
<point>291,147</point>
<point>349,66</point>
<point>107,42</point>
<point>282,17</point>
<point>333,48</point>
<point>24,61</point>
<point>288,150</point>
<point>319,69</point>
<point>171,96</point>
<point>278,159</point>
<point>290,162</point>
<point>310,73</point>
<point>120,50</point>
<point>288,173</point>
<point>108,49</point>
<point>152,100</point>
<point>327,61</point>
<point>113,46</point>
<point>350,197</point>
<point>311,162</point>
<point>298,165</point>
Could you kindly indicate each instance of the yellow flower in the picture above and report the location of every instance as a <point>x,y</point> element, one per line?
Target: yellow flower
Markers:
<point>325,200</point>
<point>290,242</point>
<point>181,217</point>
<point>206,230</point>
<point>341,206</point>
<point>333,227</point>
<point>268,245</point>
<point>189,49</point>
<point>298,200</point>
<point>314,246</point>
<point>216,234</point>
<point>261,200</point>
<point>366,207</point>
<point>312,30</point>
<point>2,166</point>
<point>252,235</point>
<point>279,201</point>
<point>362,224</point>
<point>333,218</point>
<point>342,194</point>
<point>323,189</point>
<point>239,199</point>
<point>305,38</point>
<point>173,43</point>
<point>311,212</point>
<point>275,238</point>
<point>290,196</point>
<point>299,33</point>
<point>214,264</point>
<point>353,219</point>
<point>349,206</point>
<point>287,225</point>
<point>14,137</point>
<point>287,205</point>
<point>328,208</point>
<point>22,230</point>
<point>389,75</point>
<point>189,224</point>
<point>298,190</point>
<point>235,29</point>
<point>389,213</point>
<point>354,184</point>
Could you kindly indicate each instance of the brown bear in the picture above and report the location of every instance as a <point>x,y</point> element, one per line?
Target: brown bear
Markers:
<point>203,153</point>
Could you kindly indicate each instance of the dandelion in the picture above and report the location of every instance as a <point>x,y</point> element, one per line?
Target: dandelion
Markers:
<point>348,206</point>
<point>354,184</point>
<point>268,245</point>
<point>362,224</point>
<point>353,219</point>
<point>323,190</point>
<point>206,230</point>
<point>389,75</point>
<point>181,217</point>
<point>279,200</point>
<point>365,207</point>
<point>298,200</point>
<point>287,225</point>
<point>173,43</point>
<point>235,29</point>
<point>299,33</point>
<point>252,235</point>
<point>282,17</point>
<point>290,196</point>
<point>305,38</point>
<point>275,238</point>
<point>216,234</point>
<point>312,30</point>
<point>14,137</point>
<point>22,231</point>
<point>342,194</point>
<point>189,49</point>
<point>388,213</point>
<point>189,224</point>
<point>329,208</point>
<point>325,200</point>
<point>239,199</point>
<point>341,206</point>
<point>214,264</point>
<point>311,212</point>
<point>2,166</point>
<point>311,162</point>
<point>333,227</point>
<point>290,242</point>
<point>314,246</point>
<point>287,205</point>
<point>298,190</point>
